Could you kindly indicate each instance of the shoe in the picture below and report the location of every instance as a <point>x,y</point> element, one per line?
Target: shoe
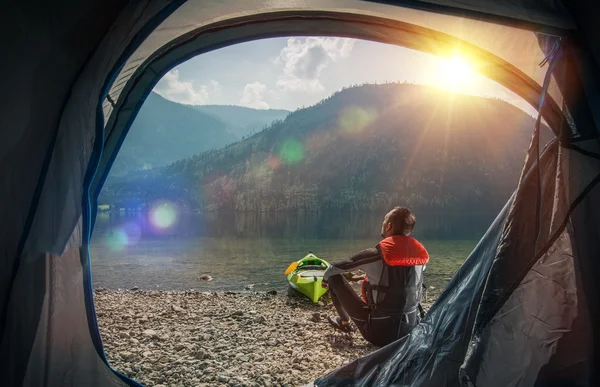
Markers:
<point>336,322</point>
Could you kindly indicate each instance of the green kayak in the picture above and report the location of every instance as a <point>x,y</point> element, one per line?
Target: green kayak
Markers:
<point>306,276</point>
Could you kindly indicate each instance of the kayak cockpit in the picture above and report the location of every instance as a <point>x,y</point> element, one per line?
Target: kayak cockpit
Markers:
<point>311,273</point>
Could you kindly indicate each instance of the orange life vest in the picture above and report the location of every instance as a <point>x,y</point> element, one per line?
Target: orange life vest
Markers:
<point>400,250</point>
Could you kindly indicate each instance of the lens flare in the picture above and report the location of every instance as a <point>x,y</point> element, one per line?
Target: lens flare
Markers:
<point>133,232</point>
<point>117,240</point>
<point>356,119</point>
<point>163,215</point>
<point>273,162</point>
<point>292,151</point>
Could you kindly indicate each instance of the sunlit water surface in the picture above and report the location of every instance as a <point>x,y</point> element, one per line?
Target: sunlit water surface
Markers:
<point>171,251</point>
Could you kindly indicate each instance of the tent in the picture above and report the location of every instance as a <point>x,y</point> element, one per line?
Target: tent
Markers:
<point>523,309</point>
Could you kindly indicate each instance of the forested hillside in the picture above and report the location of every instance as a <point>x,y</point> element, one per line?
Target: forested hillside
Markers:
<point>166,131</point>
<point>364,148</point>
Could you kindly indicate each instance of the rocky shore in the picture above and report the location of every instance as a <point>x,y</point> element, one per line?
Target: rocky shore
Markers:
<point>162,338</point>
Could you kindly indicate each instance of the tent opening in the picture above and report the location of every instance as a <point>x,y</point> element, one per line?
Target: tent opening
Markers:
<point>247,158</point>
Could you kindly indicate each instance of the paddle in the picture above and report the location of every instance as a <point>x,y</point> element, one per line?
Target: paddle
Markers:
<point>293,266</point>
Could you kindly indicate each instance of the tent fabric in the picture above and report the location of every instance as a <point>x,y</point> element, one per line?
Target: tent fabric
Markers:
<point>39,64</point>
<point>61,350</point>
<point>70,69</point>
<point>550,13</point>
<point>55,64</point>
<point>543,307</point>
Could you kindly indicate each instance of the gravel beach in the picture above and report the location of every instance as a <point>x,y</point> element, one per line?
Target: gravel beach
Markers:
<point>163,338</point>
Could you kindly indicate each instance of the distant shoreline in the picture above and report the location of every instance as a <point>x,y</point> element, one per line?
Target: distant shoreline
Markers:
<point>199,212</point>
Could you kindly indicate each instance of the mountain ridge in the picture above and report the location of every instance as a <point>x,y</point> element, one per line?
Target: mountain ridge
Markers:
<point>363,148</point>
<point>165,131</point>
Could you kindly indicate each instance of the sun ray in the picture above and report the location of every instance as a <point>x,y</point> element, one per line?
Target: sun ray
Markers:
<point>444,154</point>
<point>419,143</point>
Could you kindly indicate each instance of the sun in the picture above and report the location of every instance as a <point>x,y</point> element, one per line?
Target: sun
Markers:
<point>454,73</point>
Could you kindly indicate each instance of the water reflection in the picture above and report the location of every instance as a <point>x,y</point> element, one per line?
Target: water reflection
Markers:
<point>287,225</point>
<point>237,249</point>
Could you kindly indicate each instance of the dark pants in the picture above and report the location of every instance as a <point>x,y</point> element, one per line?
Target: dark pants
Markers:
<point>378,329</point>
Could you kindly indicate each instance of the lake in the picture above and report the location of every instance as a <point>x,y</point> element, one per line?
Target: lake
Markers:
<point>169,251</point>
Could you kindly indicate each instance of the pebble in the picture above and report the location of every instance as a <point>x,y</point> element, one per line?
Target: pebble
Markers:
<point>127,356</point>
<point>316,317</point>
<point>150,333</point>
<point>177,308</point>
<point>233,339</point>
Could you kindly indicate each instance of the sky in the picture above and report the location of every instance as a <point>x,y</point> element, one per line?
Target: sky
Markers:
<point>296,72</point>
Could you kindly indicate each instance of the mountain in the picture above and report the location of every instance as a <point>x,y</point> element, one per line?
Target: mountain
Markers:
<point>242,121</point>
<point>364,148</point>
<point>166,131</point>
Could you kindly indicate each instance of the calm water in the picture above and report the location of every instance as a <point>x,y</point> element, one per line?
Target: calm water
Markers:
<point>245,248</point>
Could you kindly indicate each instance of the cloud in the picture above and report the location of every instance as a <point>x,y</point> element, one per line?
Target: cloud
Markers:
<point>174,89</point>
<point>303,61</point>
<point>253,96</point>
<point>215,86</point>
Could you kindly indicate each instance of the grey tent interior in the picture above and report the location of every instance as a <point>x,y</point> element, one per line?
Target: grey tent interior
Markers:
<point>522,310</point>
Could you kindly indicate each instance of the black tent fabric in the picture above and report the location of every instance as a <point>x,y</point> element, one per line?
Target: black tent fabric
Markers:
<point>526,298</point>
